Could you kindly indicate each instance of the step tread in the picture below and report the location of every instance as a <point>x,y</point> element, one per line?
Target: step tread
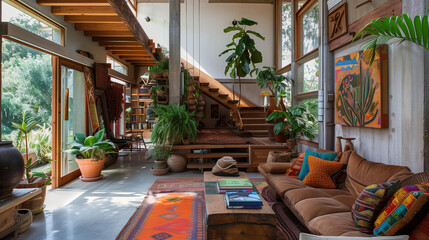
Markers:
<point>204,84</point>
<point>214,89</point>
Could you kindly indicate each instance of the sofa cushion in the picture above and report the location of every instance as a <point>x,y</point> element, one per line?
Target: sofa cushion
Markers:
<point>295,195</point>
<point>330,156</point>
<point>314,207</point>
<point>296,167</point>
<point>322,172</point>
<point>276,167</point>
<point>362,173</point>
<point>336,224</point>
<point>345,156</point>
<point>281,183</point>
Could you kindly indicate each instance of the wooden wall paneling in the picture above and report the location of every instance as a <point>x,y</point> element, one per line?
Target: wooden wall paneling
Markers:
<point>393,7</point>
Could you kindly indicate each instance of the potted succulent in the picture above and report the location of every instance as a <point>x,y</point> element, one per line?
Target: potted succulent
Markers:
<point>160,155</point>
<point>277,86</point>
<point>295,120</point>
<point>175,125</point>
<point>90,154</point>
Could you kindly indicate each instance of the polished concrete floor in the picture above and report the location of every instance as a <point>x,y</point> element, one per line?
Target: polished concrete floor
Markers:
<point>98,210</point>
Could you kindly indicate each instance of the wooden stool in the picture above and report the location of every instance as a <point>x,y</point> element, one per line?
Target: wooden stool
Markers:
<point>278,156</point>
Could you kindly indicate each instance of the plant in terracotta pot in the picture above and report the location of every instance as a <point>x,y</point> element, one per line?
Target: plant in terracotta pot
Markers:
<point>90,152</point>
<point>278,87</point>
<point>175,125</point>
<point>160,155</point>
<point>297,120</point>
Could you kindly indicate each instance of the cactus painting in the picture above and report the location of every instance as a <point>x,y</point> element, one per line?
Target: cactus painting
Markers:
<point>361,90</point>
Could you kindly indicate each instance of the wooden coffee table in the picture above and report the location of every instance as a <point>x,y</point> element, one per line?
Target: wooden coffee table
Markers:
<point>236,224</point>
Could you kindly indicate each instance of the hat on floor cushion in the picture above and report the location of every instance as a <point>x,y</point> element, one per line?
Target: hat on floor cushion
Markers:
<point>322,172</point>
<point>405,210</point>
<point>329,156</point>
<point>296,167</point>
<point>226,166</point>
<point>370,202</point>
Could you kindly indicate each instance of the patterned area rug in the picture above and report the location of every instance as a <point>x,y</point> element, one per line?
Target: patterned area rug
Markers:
<point>174,209</point>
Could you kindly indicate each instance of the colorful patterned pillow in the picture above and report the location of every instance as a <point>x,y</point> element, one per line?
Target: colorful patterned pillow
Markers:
<point>422,230</point>
<point>329,156</point>
<point>370,202</point>
<point>322,172</point>
<point>405,210</point>
<point>296,167</point>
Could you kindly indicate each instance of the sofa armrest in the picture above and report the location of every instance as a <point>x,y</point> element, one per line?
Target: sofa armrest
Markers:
<point>275,167</point>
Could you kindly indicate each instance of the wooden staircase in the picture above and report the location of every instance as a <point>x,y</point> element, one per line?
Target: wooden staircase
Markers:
<point>253,121</point>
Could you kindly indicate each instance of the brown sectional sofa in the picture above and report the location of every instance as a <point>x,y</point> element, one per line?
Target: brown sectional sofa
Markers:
<point>328,211</point>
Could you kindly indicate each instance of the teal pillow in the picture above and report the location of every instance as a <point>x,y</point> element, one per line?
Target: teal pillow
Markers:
<point>329,156</point>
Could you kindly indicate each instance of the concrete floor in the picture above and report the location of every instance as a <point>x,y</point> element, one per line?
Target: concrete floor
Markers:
<point>98,210</point>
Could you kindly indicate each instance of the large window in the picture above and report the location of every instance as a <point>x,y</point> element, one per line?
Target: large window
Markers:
<point>286,34</point>
<point>22,16</point>
<point>307,28</point>
<point>117,66</point>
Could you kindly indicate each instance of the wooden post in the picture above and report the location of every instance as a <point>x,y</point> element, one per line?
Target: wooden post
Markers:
<point>174,50</point>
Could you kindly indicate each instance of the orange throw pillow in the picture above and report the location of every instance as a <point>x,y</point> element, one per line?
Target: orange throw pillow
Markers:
<point>322,172</point>
<point>296,167</point>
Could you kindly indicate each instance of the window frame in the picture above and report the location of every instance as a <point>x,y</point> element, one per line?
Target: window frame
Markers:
<point>308,5</point>
<point>115,60</point>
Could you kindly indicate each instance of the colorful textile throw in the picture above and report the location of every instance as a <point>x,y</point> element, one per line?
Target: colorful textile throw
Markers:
<point>162,216</point>
<point>322,172</point>
<point>329,156</point>
<point>422,230</point>
<point>405,210</point>
<point>369,204</point>
<point>296,167</point>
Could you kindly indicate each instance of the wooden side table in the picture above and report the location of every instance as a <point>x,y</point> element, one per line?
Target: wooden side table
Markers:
<point>9,209</point>
<point>243,224</point>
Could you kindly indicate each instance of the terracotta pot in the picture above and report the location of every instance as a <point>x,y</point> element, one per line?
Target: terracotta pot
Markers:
<point>160,93</point>
<point>192,107</point>
<point>192,101</point>
<point>191,96</point>
<point>273,106</point>
<point>157,76</point>
<point>270,129</point>
<point>24,217</point>
<point>191,89</point>
<point>35,204</point>
<point>281,138</point>
<point>11,167</point>
<point>164,75</point>
<point>200,98</point>
<point>202,103</point>
<point>177,163</point>
<point>89,168</point>
<point>159,172</point>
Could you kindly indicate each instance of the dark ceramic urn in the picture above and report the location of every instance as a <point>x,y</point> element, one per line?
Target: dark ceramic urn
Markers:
<point>11,167</point>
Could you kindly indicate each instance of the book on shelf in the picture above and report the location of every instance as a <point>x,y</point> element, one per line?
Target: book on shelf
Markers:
<point>239,207</point>
<point>243,199</point>
<point>235,184</point>
<point>234,190</point>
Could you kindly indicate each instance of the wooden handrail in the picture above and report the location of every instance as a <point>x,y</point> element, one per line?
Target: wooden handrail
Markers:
<point>240,121</point>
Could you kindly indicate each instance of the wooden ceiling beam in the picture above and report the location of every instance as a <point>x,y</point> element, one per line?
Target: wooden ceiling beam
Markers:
<point>119,44</point>
<point>108,34</point>
<point>92,19</point>
<point>88,3</point>
<point>136,58</point>
<point>85,11</point>
<point>100,27</point>
<point>131,54</point>
<point>120,48</point>
<point>113,39</point>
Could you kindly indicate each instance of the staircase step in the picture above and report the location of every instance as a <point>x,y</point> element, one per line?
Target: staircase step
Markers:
<point>253,115</point>
<point>196,78</point>
<point>252,109</point>
<point>248,127</point>
<point>253,120</point>
<point>232,101</point>
<point>214,89</point>
<point>258,133</point>
<point>204,84</point>
<point>223,95</point>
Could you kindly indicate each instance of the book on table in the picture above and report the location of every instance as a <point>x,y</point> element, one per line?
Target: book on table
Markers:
<point>239,207</point>
<point>230,190</point>
<point>235,184</point>
<point>243,199</point>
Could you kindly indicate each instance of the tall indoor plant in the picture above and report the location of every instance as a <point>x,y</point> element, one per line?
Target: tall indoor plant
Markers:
<point>90,152</point>
<point>244,54</point>
<point>296,120</point>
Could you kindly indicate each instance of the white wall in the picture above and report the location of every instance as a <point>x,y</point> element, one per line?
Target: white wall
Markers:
<point>212,40</point>
<point>402,143</point>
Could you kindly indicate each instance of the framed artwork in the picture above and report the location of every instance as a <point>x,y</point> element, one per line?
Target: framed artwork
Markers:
<point>214,111</point>
<point>361,90</point>
<point>337,22</point>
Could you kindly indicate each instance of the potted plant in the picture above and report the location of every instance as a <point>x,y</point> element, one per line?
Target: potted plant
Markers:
<point>90,154</point>
<point>277,86</point>
<point>32,179</point>
<point>160,70</point>
<point>160,155</point>
<point>175,125</point>
<point>295,120</point>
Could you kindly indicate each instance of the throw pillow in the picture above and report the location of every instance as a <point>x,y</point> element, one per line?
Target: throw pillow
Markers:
<point>369,204</point>
<point>322,172</point>
<point>422,230</point>
<point>405,210</point>
<point>296,167</point>
<point>329,156</point>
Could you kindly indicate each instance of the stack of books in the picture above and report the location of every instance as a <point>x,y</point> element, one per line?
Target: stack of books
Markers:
<point>243,200</point>
<point>234,185</point>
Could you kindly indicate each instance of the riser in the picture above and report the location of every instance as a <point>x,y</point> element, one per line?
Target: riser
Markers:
<point>252,127</point>
<point>253,121</point>
<point>253,115</point>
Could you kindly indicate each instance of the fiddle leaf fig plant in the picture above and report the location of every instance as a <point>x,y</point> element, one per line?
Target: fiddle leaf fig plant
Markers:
<point>91,147</point>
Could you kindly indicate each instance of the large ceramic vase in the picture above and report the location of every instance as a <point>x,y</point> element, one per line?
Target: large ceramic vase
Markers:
<point>177,163</point>
<point>11,167</point>
<point>270,129</point>
<point>90,170</point>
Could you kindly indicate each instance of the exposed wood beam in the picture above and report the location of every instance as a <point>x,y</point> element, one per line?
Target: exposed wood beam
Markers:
<point>100,26</point>
<point>108,34</point>
<point>86,11</point>
<point>136,58</point>
<point>113,39</point>
<point>130,54</point>
<point>88,3</point>
<point>143,52</point>
<point>92,19</point>
<point>120,48</point>
<point>123,11</point>
<point>119,44</point>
